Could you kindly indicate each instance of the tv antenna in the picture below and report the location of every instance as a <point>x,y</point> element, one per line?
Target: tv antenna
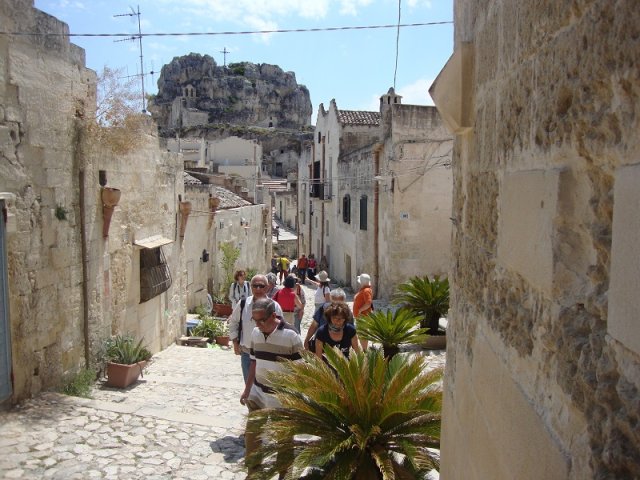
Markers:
<point>138,37</point>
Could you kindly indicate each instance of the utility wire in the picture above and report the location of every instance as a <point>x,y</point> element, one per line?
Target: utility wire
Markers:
<point>395,71</point>
<point>248,32</point>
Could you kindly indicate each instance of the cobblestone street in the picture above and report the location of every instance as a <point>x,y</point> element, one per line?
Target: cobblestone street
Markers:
<point>183,420</point>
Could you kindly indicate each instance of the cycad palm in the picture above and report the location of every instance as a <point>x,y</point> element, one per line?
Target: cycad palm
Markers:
<point>391,329</point>
<point>368,418</point>
<point>425,297</point>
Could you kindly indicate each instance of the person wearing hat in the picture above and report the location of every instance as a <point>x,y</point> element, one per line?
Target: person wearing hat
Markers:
<point>288,299</point>
<point>363,300</point>
<point>323,290</point>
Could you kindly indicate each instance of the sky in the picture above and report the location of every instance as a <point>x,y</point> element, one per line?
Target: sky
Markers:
<point>354,67</point>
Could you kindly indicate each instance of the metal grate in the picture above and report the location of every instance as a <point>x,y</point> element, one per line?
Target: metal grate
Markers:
<point>155,276</point>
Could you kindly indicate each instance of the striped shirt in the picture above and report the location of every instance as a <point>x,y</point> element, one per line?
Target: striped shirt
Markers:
<point>268,351</point>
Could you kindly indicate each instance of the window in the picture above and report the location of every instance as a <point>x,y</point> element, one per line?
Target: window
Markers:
<point>363,212</point>
<point>346,209</point>
<point>319,137</point>
<point>326,228</point>
<point>155,276</point>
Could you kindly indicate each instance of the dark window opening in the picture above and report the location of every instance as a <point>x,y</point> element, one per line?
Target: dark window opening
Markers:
<point>155,276</point>
<point>319,137</point>
<point>346,209</point>
<point>363,212</point>
<point>315,184</point>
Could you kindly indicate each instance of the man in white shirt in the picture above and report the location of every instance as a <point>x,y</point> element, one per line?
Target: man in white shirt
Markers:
<point>240,331</point>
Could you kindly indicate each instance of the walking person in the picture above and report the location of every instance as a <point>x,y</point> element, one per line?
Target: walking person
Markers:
<point>241,323</point>
<point>284,268</point>
<point>337,331</point>
<point>298,312</point>
<point>272,287</point>
<point>271,342</point>
<point>239,290</point>
<point>311,270</point>
<point>303,264</point>
<point>323,290</point>
<point>363,300</point>
<point>337,295</point>
<point>288,299</point>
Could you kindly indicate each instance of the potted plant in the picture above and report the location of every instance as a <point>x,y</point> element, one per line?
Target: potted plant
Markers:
<point>221,305</point>
<point>391,329</point>
<point>125,360</point>
<point>361,417</point>
<point>222,337</point>
<point>428,298</point>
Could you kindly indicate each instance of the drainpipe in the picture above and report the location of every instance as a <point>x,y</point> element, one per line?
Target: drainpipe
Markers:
<point>324,186</point>
<point>311,184</point>
<point>376,224</point>
<point>85,275</point>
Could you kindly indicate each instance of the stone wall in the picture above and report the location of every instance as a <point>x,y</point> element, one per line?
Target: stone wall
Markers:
<point>43,85</point>
<point>151,182</point>
<point>63,305</point>
<point>415,196</point>
<point>254,242</point>
<point>543,362</point>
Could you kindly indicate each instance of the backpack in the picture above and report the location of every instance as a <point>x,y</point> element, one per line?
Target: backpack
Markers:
<point>242,304</point>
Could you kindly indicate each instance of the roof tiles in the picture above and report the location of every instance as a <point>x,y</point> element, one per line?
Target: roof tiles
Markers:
<point>358,117</point>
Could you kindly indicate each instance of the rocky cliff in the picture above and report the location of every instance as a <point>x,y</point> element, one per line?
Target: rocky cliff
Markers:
<point>241,93</point>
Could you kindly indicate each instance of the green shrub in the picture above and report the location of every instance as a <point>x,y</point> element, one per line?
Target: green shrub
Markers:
<point>81,383</point>
<point>210,328</point>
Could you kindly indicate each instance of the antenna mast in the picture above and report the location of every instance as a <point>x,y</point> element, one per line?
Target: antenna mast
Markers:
<point>139,38</point>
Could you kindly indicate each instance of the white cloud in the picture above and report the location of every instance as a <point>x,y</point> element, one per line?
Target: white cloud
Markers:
<point>419,3</point>
<point>416,93</point>
<point>266,12</point>
<point>350,7</point>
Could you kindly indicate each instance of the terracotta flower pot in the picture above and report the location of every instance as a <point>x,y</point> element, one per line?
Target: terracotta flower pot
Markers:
<point>222,309</point>
<point>223,340</point>
<point>121,376</point>
<point>110,198</point>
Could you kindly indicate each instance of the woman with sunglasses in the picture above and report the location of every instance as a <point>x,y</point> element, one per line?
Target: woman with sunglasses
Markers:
<point>337,332</point>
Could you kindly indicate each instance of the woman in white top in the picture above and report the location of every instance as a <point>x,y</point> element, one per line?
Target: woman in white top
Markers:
<point>322,292</point>
<point>239,289</point>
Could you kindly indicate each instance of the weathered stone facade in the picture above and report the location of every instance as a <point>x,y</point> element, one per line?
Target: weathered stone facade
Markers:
<point>380,192</point>
<point>543,361</point>
<point>235,220</point>
<point>69,287</point>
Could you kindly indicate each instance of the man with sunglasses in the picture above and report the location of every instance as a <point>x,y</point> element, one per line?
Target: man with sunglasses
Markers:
<point>241,323</point>
<point>273,341</point>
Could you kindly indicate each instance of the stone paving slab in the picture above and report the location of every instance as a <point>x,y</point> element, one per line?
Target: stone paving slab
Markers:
<point>182,421</point>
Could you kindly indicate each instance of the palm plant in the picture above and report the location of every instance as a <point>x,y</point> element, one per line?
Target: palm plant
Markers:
<point>363,417</point>
<point>391,329</point>
<point>428,298</point>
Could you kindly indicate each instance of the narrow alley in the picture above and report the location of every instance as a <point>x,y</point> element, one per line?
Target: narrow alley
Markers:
<point>183,420</point>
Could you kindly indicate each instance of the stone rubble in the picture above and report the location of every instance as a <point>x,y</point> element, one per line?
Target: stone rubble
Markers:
<point>182,420</point>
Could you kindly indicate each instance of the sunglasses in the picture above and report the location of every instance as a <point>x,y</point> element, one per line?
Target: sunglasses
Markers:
<point>258,285</point>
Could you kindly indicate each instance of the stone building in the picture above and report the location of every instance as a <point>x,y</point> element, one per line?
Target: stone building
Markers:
<point>65,286</point>
<point>375,193</point>
<point>217,216</point>
<point>543,354</point>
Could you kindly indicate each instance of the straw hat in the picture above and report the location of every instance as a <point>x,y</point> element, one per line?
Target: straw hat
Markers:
<point>323,276</point>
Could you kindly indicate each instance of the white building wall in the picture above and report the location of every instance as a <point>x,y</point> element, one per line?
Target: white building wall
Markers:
<point>254,242</point>
<point>415,197</point>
